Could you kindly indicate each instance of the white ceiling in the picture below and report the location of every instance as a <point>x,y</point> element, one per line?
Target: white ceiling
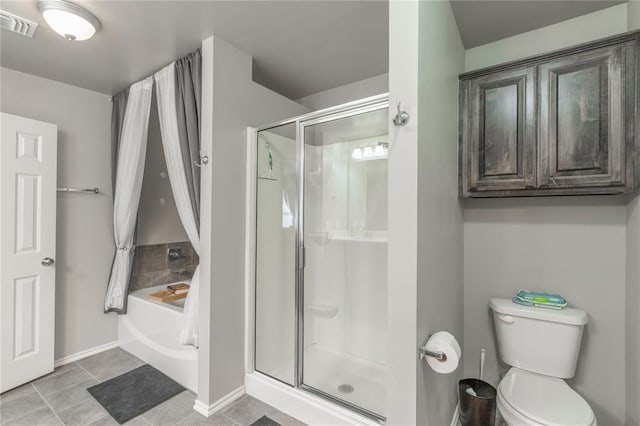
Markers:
<point>484,21</point>
<point>299,47</point>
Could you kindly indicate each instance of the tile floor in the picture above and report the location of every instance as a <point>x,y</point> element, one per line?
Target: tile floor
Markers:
<point>61,398</point>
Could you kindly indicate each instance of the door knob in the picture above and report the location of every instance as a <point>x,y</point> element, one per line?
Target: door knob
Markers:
<point>47,261</point>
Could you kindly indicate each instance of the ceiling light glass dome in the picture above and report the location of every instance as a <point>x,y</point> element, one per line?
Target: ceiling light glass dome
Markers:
<point>68,19</point>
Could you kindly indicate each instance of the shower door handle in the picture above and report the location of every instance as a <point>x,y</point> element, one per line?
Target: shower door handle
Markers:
<point>302,257</point>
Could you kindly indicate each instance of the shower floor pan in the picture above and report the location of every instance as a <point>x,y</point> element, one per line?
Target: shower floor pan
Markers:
<point>354,380</point>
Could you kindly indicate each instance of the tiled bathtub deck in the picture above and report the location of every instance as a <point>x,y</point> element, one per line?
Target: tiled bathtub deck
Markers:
<point>61,398</point>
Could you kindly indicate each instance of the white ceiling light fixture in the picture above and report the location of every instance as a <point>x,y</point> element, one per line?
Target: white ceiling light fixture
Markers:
<point>71,21</point>
<point>378,151</point>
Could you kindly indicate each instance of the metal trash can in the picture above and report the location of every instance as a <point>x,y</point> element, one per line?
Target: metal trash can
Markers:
<point>477,407</point>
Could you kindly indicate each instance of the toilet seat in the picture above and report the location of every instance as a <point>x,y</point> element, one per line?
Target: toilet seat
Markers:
<point>536,399</point>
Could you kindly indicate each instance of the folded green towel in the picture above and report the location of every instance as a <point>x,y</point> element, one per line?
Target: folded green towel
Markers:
<point>542,298</point>
<point>519,301</point>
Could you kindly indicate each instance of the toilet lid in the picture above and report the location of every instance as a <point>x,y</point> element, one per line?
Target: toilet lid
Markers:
<point>544,399</point>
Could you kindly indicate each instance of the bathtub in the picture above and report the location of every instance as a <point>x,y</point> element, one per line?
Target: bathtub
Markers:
<point>150,330</point>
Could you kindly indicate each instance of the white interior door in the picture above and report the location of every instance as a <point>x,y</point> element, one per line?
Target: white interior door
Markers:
<point>27,249</point>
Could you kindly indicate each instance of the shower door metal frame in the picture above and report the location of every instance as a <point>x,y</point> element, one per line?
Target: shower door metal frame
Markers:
<point>351,109</point>
<point>300,261</point>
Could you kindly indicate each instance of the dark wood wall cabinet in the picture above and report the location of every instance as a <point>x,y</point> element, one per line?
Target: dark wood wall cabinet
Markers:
<point>562,123</point>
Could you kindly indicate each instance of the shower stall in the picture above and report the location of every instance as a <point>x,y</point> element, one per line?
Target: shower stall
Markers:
<point>319,261</point>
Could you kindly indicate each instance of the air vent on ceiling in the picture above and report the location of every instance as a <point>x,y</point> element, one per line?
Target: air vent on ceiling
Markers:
<point>11,22</point>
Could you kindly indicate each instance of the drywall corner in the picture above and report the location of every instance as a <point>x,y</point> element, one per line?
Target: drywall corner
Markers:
<point>633,15</point>
<point>347,93</point>
<point>632,296</point>
<point>402,217</point>
<point>632,313</point>
<point>231,102</point>
<point>204,310</point>
<point>440,221</point>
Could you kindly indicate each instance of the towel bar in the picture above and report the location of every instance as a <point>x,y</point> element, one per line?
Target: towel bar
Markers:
<point>80,190</point>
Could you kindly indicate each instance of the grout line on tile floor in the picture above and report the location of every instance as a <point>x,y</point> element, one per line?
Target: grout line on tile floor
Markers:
<point>87,371</point>
<point>100,381</point>
<point>47,404</point>
<point>230,419</point>
<point>144,418</point>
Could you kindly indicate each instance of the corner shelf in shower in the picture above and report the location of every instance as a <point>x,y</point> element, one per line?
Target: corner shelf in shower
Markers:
<point>377,237</point>
<point>323,310</point>
<point>362,239</point>
<point>267,177</point>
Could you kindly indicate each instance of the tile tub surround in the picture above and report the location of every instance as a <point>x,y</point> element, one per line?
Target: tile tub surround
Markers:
<point>61,398</point>
<point>151,266</point>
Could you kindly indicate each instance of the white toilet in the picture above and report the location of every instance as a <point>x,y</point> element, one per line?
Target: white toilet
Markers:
<point>542,347</point>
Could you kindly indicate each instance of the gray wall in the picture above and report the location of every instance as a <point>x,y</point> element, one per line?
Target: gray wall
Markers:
<point>349,92</point>
<point>582,29</point>
<point>632,307</point>
<point>575,246</point>
<point>85,247</point>
<point>633,15</point>
<point>440,242</point>
<point>633,280</point>
<point>231,102</point>
<point>158,220</point>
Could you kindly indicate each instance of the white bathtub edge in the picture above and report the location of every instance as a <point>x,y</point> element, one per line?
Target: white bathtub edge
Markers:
<point>209,410</point>
<point>84,354</point>
<point>151,331</point>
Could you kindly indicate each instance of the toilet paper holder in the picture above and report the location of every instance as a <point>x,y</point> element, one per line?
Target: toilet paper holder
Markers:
<point>440,356</point>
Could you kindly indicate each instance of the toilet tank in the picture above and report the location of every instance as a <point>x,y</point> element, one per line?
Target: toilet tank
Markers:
<point>540,340</point>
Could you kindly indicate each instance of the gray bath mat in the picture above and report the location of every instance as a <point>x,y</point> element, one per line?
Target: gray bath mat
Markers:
<point>135,392</point>
<point>265,421</point>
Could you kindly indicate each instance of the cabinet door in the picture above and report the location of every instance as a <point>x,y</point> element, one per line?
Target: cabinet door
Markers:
<point>502,144</point>
<point>582,119</point>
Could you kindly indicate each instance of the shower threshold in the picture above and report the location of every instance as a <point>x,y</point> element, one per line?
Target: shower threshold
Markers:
<point>355,383</point>
<point>301,404</point>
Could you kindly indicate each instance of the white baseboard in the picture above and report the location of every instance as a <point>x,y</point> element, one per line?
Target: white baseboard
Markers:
<point>84,354</point>
<point>456,416</point>
<point>209,410</point>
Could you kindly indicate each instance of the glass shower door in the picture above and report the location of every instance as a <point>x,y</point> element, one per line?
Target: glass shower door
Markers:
<point>276,243</point>
<point>344,279</point>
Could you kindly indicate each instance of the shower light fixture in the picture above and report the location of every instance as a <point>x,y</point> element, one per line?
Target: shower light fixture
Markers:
<point>372,152</point>
<point>71,21</point>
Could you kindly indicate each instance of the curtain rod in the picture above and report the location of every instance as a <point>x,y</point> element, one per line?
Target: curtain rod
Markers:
<point>182,57</point>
